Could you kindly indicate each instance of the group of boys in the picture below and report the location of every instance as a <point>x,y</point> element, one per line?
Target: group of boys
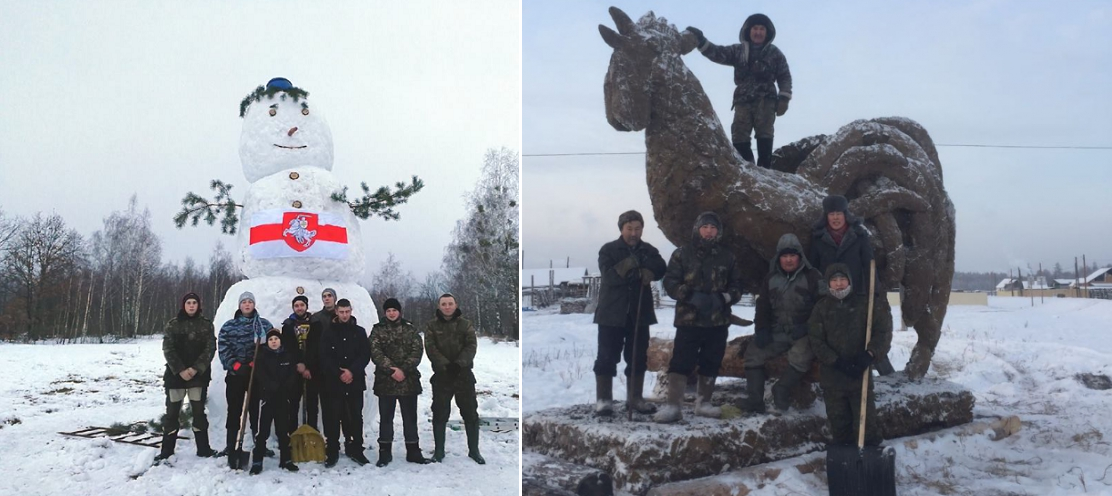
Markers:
<point>322,358</point>
<point>807,307</point>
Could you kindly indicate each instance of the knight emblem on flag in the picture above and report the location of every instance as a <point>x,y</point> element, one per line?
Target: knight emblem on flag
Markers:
<point>278,234</point>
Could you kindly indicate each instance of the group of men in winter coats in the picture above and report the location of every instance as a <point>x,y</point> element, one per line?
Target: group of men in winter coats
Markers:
<point>807,307</point>
<point>320,358</point>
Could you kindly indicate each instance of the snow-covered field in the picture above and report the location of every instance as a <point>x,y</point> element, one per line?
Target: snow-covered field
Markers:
<point>45,389</point>
<point>1015,358</point>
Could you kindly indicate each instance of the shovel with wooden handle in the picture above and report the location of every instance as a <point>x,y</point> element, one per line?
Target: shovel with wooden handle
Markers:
<point>238,458</point>
<point>862,470</point>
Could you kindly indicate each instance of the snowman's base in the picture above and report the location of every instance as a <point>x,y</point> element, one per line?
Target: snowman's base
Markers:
<point>274,302</point>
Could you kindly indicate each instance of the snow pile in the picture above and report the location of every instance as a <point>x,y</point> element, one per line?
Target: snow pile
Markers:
<point>1015,358</point>
<point>49,388</point>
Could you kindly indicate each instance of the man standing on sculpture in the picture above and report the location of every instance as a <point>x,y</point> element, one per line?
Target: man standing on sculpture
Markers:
<point>628,266</point>
<point>344,355</point>
<point>837,330</point>
<point>784,303</point>
<point>759,67</point>
<point>705,281</point>
<point>450,343</point>
<point>841,237</point>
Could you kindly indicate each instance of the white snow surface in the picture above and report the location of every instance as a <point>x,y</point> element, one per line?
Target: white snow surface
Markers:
<point>289,138</point>
<point>52,388</point>
<point>1015,358</point>
<point>313,187</point>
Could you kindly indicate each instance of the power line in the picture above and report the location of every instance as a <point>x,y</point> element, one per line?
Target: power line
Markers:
<point>964,145</point>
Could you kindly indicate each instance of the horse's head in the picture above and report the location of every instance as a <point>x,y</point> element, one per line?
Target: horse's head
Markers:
<point>639,50</point>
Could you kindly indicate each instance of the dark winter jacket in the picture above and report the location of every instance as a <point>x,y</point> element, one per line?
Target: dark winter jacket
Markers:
<point>702,267</point>
<point>758,69</point>
<point>784,300</point>
<point>188,342</point>
<point>344,346</point>
<point>295,332</point>
<point>837,330</point>
<point>451,340</point>
<point>617,300</point>
<point>237,340</point>
<point>396,344</point>
<point>275,374</point>
<point>855,251</point>
<point>318,324</point>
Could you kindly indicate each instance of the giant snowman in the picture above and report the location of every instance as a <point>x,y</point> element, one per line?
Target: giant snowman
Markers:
<point>294,238</point>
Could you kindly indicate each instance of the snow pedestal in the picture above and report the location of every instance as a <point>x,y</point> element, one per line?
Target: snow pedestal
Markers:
<point>641,454</point>
<point>273,301</point>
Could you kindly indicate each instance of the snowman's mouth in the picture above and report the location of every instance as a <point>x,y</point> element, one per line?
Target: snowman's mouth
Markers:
<point>290,147</point>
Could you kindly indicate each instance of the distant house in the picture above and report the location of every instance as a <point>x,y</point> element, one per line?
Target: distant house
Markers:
<point>1096,285</point>
<point>544,287</point>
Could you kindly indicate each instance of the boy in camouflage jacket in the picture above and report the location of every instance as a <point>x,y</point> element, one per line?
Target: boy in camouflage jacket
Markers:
<point>396,351</point>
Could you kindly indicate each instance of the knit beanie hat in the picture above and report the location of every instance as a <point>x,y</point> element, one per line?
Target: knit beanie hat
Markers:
<point>328,291</point>
<point>247,295</point>
<point>190,296</point>
<point>273,332</point>
<point>302,298</point>
<point>392,303</point>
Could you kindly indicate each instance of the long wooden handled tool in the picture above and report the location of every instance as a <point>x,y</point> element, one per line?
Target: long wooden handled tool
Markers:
<point>238,458</point>
<point>869,369</point>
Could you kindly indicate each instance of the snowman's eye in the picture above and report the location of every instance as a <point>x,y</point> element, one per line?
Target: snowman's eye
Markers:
<point>304,111</point>
<point>273,112</point>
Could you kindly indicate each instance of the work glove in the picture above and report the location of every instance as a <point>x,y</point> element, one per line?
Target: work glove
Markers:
<point>863,361</point>
<point>762,338</point>
<point>454,368</point>
<point>647,277</point>
<point>705,303</point>
<point>239,368</point>
<point>627,264</point>
<point>799,331</point>
<point>782,107</point>
<point>848,367</point>
<point>698,35</point>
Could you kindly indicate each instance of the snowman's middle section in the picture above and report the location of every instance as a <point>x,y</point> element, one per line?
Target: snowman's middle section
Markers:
<point>291,227</point>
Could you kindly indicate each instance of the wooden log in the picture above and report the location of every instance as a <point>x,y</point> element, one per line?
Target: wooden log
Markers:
<point>565,476</point>
<point>733,362</point>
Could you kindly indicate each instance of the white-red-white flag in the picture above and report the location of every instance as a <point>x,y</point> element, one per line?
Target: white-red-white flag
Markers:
<point>280,234</point>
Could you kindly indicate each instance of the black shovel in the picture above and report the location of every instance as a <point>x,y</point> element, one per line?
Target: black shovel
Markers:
<point>237,459</point>
<point>862,470</point>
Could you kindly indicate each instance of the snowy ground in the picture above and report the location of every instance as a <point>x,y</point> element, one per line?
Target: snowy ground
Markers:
<point>49,388</point>
<point>1015,358</point>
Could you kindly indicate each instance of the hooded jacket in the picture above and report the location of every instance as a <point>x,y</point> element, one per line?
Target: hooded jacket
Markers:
<point>758,69</point>
<point>837,329</point>
<point>702,266</point>
<point>785,300</point>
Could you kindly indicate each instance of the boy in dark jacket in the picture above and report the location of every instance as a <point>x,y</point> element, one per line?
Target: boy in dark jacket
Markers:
<point>295,332</point>
<point>275,379</point>
<point>188,343</point>
<point>837,330</point>
<point>344,355</point>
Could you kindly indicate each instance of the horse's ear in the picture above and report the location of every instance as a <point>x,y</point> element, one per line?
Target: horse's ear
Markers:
<point>610,37</point>
<point>621,20</point>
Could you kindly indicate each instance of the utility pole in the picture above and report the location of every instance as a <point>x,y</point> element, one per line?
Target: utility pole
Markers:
<point>1042,293</point>
<point>1085,270</point>
<point>1076,279</point>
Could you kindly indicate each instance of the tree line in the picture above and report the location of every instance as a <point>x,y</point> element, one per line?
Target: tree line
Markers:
<point>59,285</point>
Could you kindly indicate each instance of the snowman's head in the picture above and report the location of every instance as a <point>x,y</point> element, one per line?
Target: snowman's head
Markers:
<point>281,130</point>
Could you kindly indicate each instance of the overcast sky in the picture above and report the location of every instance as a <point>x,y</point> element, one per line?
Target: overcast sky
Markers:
<point>982,72</point>
<point>105,99</point>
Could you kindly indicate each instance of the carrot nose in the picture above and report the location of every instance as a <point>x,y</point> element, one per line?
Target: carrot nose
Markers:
<point>292,130</point>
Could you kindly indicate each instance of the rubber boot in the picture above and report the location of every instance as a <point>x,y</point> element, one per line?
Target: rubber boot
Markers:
<point>472,429</point>
<point>764,152</point>
<point>355,452</point>
<point>202,440</point>
<point>755,390</point>
<point>671,411</point>
<point>169,441</point>
<point>384,454</point>
<point>783,389</point>
<point>604,395</point>
<point>413,454</point>
<point>637,393</point>
<point>883,365</point>
<point>703,406</point>
<point>332,455</point>
<point>438,441</point>
<point>745,150</point>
